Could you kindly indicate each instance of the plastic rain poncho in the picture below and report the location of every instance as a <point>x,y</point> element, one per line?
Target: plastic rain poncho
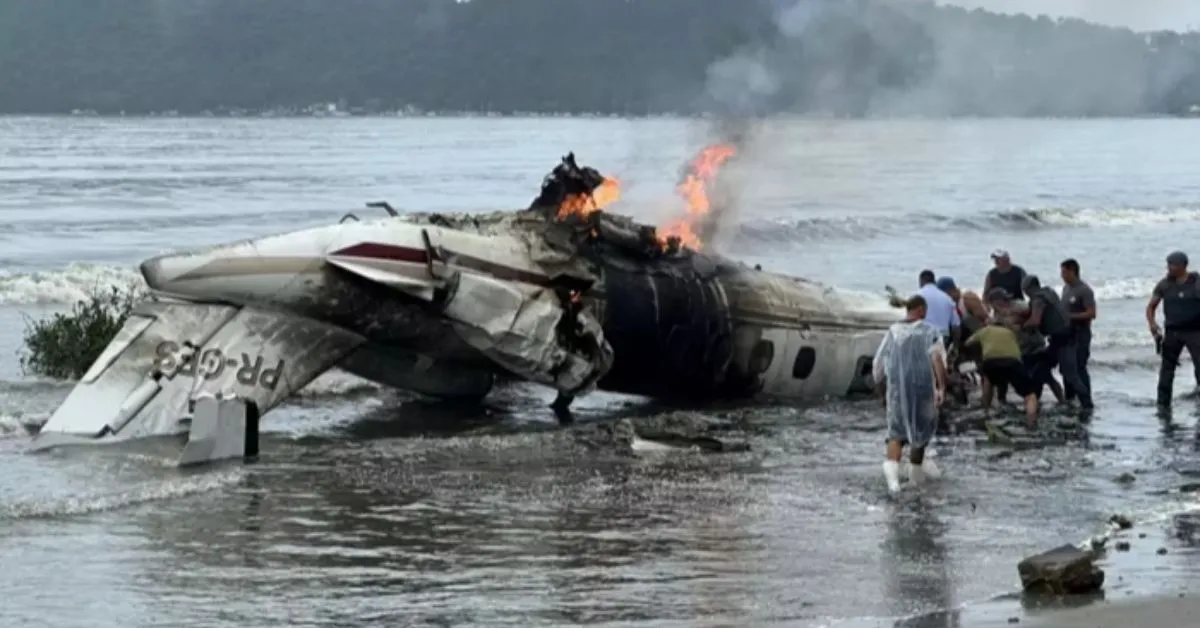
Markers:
<point>905,359</point>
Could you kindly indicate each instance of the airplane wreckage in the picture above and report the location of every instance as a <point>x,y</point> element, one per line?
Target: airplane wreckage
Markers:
<point>561,293</point>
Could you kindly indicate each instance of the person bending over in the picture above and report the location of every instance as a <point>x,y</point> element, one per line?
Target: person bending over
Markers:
<point>910,368</point>
<point>1002,365</point>
<point>1039,362</point>
<point>1047,315</point>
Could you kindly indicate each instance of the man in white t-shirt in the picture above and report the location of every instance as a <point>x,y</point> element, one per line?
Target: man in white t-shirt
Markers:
<point>941,311</point>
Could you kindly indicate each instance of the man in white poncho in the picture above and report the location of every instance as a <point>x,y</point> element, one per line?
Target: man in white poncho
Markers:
<point>910,373</point>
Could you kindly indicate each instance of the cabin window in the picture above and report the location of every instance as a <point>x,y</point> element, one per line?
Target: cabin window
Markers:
<point>865,364</point>
<point>806,360</point>
<point>761,357</point>
<point>862,381</point>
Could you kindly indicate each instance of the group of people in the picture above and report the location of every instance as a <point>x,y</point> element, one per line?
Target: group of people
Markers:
<point>1016,334</point>
<point>1016,345</point>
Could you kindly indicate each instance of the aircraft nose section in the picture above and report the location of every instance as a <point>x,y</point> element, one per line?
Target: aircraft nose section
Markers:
<point>152,272</point>
<point>171,272</point>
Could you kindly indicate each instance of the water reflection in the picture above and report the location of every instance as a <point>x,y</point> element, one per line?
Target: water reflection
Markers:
<point>914,559</point>
<point>475,529</point>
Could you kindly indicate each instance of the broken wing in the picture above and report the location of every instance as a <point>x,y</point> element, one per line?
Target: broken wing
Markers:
<point>169,352</point>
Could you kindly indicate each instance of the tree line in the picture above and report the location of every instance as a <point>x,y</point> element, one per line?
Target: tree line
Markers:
<point>622,57</point>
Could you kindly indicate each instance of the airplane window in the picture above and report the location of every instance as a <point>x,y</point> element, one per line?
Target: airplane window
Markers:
<point>762,356</point>
<point>806,360</point>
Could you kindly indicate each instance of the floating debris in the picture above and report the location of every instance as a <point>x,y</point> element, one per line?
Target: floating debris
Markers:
<point>1125,478</point>
<point>1121,522</point>
<point>678,431</point>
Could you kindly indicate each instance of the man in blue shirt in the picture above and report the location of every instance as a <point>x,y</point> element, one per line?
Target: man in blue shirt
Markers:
<point>940,311</point>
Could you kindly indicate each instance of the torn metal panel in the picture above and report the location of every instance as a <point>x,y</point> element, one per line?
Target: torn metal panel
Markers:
<point>520,330</point>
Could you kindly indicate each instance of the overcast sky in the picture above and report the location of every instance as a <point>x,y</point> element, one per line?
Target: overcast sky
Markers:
<point>1136,14</point>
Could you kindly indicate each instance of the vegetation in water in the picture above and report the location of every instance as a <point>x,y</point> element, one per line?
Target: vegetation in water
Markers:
<point>66,344</point>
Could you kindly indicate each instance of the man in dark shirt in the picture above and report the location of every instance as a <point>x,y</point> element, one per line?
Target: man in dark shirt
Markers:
<point>1047,315</point>
<point>1005,275</point>
<point>1179,292</point>
<point>1080,302</point>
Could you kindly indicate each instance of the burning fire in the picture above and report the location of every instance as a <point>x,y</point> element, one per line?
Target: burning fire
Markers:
<point>604,195</point>
<point>694,190</point>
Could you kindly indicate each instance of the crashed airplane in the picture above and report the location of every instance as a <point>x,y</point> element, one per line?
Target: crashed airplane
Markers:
<point>561,293</point>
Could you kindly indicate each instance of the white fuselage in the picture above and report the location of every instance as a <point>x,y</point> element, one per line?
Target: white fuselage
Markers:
<point>374,278</point>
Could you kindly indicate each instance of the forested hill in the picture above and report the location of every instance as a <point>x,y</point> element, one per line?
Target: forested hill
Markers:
<point>829,57</point>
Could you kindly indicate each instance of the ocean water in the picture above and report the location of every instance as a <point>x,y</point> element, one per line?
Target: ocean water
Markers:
<point>372,507</point>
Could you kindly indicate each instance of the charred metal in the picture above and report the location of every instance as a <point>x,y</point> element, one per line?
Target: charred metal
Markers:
<point>561,293</point>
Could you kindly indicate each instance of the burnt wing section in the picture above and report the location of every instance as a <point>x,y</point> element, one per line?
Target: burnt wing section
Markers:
<point>670,330</point>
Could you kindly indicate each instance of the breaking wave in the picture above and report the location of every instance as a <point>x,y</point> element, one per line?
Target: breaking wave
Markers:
<point>11,425</point>
<point>63,287</point>
<point>335,383</point>
<point>858,227</point>
<point>97,501</point>
<point>1121,289</point>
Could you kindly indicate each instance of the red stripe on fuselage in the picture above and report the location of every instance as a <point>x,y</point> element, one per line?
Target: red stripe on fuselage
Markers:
<point>384,251</point>
<point>374,250</point>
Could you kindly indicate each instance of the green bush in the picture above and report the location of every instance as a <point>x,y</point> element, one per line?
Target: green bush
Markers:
<point>64,346</point>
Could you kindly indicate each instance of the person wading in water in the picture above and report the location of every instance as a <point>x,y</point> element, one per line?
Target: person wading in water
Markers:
<point>910,371</point>
<point>1005,275</point>
<point>940,310</point>
<point>1080,302</point>
<point>1039,364</point>
<point>1047,315</point>
<point>1179,292</point>
<point>1002,366</point>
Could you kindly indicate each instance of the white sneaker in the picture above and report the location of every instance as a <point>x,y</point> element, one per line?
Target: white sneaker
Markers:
<point>931,469</point>
<point>916,475</point>
<point>891,472</point>
<point>919,474</point>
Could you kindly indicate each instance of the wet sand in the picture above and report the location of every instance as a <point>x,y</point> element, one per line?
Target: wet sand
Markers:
<point>1154,612</point>
<point>1132,595</point>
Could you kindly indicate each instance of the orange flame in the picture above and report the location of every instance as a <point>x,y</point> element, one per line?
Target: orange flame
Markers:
<point>582,205</point>
<point>694,190</point>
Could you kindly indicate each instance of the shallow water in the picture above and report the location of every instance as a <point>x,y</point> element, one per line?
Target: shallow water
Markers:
<point>370,506</point>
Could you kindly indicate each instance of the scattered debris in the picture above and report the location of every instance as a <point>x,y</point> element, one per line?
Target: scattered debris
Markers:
<point>1121,521</point>
<point>1125,478</point>
<point>1187,527</point>
<point>681,431</point>
<point>1012,433</point>
<point>1187,470</point>
<point>1064,570</point>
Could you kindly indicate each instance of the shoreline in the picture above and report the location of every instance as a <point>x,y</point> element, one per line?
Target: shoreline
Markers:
<point>1142,583</point>
<point>1157,611</point>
